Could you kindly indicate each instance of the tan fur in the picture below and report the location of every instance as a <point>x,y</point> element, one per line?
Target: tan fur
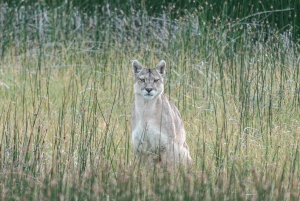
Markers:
<point>158,133</point>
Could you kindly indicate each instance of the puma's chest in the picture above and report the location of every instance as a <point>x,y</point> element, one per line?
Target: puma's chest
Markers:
<point>148,137</point>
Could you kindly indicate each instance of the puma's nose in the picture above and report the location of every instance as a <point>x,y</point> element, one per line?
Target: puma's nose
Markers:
<point>148,90</point>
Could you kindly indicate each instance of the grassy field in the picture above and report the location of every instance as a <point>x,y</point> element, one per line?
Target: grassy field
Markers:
<point>66,90</point>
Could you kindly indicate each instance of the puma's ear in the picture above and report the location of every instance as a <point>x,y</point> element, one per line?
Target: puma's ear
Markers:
<point>161,67</point>
<point>136,67</point>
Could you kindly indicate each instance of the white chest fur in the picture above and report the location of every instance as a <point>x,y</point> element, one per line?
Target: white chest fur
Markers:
<point>147,137</point>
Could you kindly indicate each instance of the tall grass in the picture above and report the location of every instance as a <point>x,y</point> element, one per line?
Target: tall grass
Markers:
<point>66,96</point>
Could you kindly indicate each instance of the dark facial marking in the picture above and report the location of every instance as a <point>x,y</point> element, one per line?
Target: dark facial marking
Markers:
<point>150,71</point>
<point>150,74</point>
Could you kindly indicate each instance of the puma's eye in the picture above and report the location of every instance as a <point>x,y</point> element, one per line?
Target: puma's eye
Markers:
<point>156,80</point>
<point>142,80</point>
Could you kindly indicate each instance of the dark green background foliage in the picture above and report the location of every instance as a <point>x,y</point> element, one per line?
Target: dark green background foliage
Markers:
<point>282,15</point>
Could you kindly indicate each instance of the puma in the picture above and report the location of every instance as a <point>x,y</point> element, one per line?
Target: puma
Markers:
<point>158,132</point>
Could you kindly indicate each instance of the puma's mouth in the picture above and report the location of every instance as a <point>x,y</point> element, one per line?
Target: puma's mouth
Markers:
<point>148,96</point>
<point>149,93</point>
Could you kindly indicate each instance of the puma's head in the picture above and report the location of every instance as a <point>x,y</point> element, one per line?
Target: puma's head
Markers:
<point>148,82</point>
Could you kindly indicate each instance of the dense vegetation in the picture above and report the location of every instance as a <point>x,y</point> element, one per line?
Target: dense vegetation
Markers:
<point>66,95</point>
<point>279,14</point>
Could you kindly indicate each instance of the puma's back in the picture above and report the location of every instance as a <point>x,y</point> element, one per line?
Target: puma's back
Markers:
<point>157,129</point>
